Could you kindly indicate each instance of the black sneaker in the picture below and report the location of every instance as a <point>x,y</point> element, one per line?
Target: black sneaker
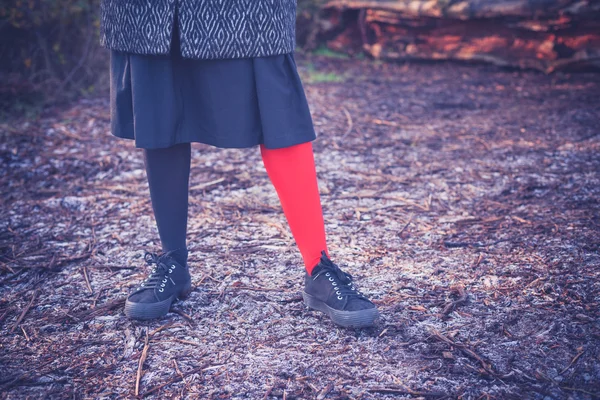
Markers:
<point>167,282</point>
<point>331,290</point>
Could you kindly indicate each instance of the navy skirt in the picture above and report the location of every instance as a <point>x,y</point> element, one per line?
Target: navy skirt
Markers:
<point>163,100</point>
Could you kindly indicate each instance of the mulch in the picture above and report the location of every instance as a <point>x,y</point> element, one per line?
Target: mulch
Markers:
<point>465,200</point>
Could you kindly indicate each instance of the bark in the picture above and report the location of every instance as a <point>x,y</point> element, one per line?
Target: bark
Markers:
<point>543,35</point>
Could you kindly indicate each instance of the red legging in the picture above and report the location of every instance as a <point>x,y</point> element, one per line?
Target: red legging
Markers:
<point>293,174</point>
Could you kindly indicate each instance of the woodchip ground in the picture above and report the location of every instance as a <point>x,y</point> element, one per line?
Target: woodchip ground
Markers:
<point>464,199</point>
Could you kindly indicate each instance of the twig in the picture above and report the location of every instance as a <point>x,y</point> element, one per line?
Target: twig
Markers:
<point>578,390</point>
<point>25,333</point>
<point>323,393</point>
<point>96,298</point>
<point>180,374</point>
<point>186,342</point>
<point>462,298</point>
<point>52,262</point>
<point>5,266</point>
<point>163,327</point>
<point>141,365</point>
<point>11,382</point>
<point>382,122</point>
<point>176,379</point>
<point>486,366</point>
<point>291,300</point>
<point>405,391</point>
<point>8,278</point>
<point>24,311</point>
<point>395,198</point>
<point>454,245</point>
<point>406,225</point>
<point>187,318</point>
<point>87,280</point>
<point>177,369</point>
<point>407,201</point>
<point>207,184</point>
<point>269,390</point>
<point>479,259</point>
<point>350,123</point>
<point>112,266</point>
<point>572,362</point>
<point>4,315</point>
<point>256,289</point>
<point>66,260</point>
<point>63,129</point>
<point>100,310</point>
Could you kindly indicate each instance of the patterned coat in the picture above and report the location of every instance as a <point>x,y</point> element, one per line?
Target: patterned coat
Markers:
<point>208,29</point>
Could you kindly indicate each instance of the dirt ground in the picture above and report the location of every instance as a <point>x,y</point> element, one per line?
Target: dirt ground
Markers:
<point>464,199</point>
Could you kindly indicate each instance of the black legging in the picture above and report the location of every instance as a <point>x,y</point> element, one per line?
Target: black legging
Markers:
<point>168,171</point>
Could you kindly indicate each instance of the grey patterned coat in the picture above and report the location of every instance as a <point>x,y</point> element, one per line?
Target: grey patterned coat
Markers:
<point>208,29</point>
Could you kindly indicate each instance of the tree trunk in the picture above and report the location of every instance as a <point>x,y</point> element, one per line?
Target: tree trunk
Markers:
<point>545,35</point>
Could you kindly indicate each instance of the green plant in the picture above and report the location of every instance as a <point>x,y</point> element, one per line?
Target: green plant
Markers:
<point>311,75</point>
<point>326,52</point>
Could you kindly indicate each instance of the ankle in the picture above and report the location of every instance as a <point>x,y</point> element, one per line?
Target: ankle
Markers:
<point>180,255</point>
<point>310,263</point>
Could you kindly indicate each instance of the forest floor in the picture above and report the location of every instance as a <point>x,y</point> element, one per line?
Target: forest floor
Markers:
<point>464,199</point>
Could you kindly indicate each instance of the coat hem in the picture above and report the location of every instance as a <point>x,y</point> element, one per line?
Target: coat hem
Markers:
<point>274,143</point>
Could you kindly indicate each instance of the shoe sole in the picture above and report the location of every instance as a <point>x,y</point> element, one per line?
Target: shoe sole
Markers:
<point>347,319</point>
<point>144,311</point>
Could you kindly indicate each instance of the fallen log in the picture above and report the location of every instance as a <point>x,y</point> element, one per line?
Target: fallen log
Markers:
<point>545,35</point>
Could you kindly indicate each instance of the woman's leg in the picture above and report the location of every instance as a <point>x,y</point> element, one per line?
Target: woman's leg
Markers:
<point>292,172</point>
<point>168,172</point>
<point>326,287</point>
